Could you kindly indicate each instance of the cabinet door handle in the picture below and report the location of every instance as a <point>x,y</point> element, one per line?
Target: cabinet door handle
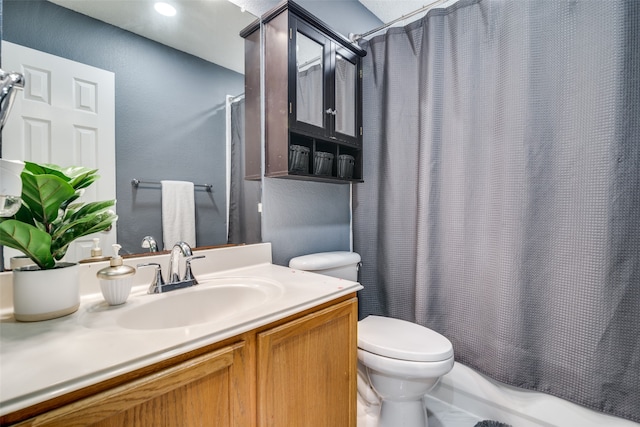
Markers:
<point>330,111</point>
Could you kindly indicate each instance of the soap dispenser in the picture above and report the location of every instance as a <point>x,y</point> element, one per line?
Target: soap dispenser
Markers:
<point>95,250</point>
<point>115,280</point>
<point>96,253</point>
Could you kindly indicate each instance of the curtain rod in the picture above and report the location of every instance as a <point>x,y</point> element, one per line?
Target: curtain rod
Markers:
<point>236,98</point>
<point>230,99</point>
<point>356,37</point>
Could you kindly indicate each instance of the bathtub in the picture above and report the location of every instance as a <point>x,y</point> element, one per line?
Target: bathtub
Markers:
<point>470,391</point>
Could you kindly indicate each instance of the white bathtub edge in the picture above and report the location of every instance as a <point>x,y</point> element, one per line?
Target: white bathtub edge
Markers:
<point>470,391</point>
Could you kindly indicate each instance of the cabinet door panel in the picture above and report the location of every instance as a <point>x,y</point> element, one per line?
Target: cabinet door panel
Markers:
<point>345,96</point>
<point>202,391</point>
<point>307,370</point>
<point>309,81</point>
<point>309,59</point>
<point>190,405</point>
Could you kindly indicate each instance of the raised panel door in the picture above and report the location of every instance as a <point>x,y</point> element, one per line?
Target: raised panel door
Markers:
<point>64,115</point>
<point>307,370</point>
<point>208,390</point>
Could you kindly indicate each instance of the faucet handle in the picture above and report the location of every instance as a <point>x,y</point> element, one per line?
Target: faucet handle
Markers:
<point>188,274</point>
<point>157,282</point>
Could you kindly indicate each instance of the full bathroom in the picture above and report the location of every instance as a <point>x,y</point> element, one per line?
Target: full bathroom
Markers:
<point>489,226</point>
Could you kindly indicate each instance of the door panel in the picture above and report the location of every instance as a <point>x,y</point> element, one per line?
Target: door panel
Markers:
<point>307,370</point>
<point>65,115</point>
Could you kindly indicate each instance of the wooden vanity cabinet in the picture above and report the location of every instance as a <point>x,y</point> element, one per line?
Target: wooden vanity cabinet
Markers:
<point>312,95</point>
<point>299,371</point>
<point>307,370</point>
<point>212,389</point>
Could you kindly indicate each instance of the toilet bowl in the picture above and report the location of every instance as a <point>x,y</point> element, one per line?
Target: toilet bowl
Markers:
<point>401,360</point>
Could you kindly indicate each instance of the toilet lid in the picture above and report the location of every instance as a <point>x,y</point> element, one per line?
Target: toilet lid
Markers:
<point>324,260</point>
<point>399,339</point>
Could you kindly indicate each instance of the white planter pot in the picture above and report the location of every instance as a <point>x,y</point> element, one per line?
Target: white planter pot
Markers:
<point>45,294</point>
<point>19,261</point>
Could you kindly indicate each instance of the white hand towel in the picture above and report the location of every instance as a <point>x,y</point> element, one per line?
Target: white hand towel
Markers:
<point>178,213</point>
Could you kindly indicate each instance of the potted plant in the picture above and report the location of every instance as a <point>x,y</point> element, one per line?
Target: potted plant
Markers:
<point>42,229</point>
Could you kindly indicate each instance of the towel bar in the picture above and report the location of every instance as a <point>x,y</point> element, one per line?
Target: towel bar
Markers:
<point>136,182</point>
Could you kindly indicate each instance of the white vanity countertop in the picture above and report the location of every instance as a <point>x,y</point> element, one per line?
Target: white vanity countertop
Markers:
<point>43,360</point>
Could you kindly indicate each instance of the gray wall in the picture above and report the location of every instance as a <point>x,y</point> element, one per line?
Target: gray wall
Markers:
<point>299,217</point>
<point>302,217</point>
<point>167,123</point>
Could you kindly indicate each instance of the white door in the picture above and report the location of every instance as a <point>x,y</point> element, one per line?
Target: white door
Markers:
<point>66,116</point>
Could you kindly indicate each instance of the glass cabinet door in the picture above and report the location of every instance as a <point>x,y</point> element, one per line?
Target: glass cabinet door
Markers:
<point>324,86</point>
<point>309,81</point>
<point>345,96</point>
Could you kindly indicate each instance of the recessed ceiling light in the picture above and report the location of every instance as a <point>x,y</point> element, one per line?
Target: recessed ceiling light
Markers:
<point>164,9</point>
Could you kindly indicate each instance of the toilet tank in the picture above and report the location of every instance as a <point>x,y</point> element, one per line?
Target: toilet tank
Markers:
<point>343,265</point>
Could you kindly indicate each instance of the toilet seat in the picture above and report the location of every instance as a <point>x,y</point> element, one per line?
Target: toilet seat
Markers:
<point>403,368</point>
<point>399,339</point>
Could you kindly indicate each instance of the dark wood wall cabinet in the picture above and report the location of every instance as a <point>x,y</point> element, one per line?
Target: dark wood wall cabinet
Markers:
<point>312,98</point>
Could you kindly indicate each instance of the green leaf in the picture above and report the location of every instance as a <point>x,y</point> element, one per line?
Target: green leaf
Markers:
<point>90,209</point>
<point>85,180</point>
<point>78,211</point>
<point>24,215</point>
<point>34,243</point>
<point>44,194</point>
<point>65,205</point>
<point>73,223</point>
<point>34,168</point>
<point>79,228</point>
<point>76,176</point>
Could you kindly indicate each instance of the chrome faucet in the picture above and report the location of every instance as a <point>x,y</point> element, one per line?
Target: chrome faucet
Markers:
<point>8,83</point>
<point>175,281</point>
<point>174,262</point>
<point>149,242</point>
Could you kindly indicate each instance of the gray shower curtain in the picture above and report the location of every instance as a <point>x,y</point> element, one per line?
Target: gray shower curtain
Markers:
<point>309,93</point>
<point>501,202</point>
<point>244,196</point>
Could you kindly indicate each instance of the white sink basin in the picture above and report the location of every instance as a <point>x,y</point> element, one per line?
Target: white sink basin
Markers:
<point>210,301</point>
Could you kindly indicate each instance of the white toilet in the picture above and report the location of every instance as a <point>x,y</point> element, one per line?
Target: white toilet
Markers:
<point>402,360</point>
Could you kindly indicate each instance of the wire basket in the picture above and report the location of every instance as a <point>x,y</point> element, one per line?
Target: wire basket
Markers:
<point>345,166</point>
<point>298,158</point>
<point>322,163</point>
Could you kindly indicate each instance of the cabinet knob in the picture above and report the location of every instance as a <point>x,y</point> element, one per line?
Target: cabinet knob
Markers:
<point>330,111</point>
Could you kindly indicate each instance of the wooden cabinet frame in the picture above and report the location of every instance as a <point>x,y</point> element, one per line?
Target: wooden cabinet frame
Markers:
<point>276,33</point>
